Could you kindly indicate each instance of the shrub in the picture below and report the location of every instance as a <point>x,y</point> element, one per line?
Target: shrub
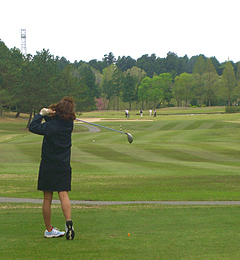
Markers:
<point>193,106</point>
<point>232,109</point>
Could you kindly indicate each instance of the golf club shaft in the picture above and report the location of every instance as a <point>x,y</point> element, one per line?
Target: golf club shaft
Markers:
<point>101,126</point>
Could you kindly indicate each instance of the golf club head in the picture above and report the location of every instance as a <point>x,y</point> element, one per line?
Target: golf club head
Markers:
<point>130,138</point>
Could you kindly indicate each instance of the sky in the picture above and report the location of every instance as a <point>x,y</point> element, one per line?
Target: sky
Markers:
<point>89,29</point>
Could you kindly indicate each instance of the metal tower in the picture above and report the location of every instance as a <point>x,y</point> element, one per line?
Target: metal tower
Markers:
<point>23,42</point>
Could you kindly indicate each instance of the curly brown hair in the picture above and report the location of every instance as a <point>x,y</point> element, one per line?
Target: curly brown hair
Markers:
<point>65,108</point>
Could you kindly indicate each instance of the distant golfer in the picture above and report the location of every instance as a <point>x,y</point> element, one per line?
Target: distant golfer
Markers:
<point>141,113</point>
<point>55,171</point>
<point>126,113</point>
<point>155,112</point>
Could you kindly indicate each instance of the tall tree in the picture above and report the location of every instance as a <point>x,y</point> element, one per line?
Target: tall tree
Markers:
<point>160,66</point>
<point>143,90</point>
<point>46,73</point>
<point>67,82</point>
<point>82,96</point>
<point>198,70</point>
<point>238,81</point>
<point>229,82</point>
<point>27,93</point>
<point>117,81</point>
<point>38,86</point>
<point>146,63</point>
<point>77,64</point>
<point>183,88</point>
<point>238,72</point>
<point>191,63</point>
<point>155,91</point>
<point>107,87</point>
<point>172,63</point>
<point>85,72</point>
<point>10,72</point>
<point>182,64</point>
<point>98,65</point>
<point>128,90</point>
<point>17,60</point>
<point>210,79</point>
<point>125,63</point>
<point>62,63</point>
<point>138,74</point>
<point>109,58</point>
<point>166,86</point>
<point>216,65</point>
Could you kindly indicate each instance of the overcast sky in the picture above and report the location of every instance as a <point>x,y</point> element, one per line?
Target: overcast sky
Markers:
<point>88,29</point>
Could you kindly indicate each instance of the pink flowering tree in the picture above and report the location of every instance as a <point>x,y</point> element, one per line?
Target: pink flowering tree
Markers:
<point>101,103</point>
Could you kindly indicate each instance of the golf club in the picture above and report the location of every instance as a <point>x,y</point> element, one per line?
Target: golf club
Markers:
<point>129,136</point>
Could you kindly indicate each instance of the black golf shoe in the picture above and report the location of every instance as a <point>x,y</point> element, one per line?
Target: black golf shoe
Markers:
<point>69,230</point>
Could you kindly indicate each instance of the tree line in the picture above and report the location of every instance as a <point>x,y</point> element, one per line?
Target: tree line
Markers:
<point>28,83</point>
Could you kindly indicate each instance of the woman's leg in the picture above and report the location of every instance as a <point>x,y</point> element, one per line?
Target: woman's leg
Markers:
<point>66,208</point>
<point>66,205</point>
<point>46,209</point>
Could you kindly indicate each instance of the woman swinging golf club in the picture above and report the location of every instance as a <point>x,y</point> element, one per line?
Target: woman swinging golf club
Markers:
<point>55,169</point>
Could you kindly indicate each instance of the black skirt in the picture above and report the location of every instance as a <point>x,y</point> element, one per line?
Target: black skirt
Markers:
<point>54,178</point>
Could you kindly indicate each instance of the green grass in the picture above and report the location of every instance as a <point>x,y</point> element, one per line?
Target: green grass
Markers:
<point>173,157</point>
<point>156,232</point>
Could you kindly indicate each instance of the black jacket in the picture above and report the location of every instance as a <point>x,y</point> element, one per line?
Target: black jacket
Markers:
<point>56,146</point>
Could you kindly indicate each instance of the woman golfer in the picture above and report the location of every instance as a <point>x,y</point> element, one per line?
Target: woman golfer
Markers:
<point>55,170</point>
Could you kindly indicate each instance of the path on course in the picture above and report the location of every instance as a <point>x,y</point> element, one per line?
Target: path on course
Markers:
<point>92,129</point>
<point>21,200</point>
